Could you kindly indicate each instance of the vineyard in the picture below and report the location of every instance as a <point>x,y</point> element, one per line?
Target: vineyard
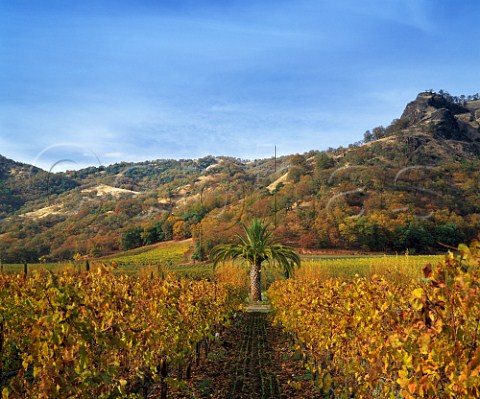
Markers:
<point>403,267</point>
<point>375,338</point>
<point>375,327</point>
<point>100,335</point>
<point>157,259</point>
<point>169,252</point>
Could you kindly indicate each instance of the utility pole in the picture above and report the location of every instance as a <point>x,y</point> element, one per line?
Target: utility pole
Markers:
<point>201,229</point>
<point>275,164</point>
<point>275,192</point>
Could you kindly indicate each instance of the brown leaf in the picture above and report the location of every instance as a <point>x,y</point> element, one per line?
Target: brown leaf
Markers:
<point>427,270</point>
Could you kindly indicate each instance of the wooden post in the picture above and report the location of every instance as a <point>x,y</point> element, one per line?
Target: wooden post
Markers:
<point>2,326</point>
<point>163,376</point>
<point>87,266</point>
<point>25,269</point>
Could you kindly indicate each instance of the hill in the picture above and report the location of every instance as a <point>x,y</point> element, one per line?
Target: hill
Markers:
<point>21,183</point>
<point>409,185</point>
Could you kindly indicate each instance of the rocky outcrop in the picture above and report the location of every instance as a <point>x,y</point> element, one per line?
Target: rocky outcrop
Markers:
<point>440,117</point>
<point>427,103</point>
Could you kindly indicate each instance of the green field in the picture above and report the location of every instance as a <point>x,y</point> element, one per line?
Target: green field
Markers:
<point>171,251</point>
<point>18,267</point>
<point>160,258</point>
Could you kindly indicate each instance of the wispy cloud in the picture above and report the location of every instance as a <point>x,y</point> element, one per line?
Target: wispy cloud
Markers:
<point>145,80</point>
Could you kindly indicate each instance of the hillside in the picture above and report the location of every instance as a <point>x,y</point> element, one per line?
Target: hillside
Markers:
<point>408,185</point>
<point>21,183</point>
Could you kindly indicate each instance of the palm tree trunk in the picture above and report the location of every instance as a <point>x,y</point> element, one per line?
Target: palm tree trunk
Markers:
<point>255,287</point>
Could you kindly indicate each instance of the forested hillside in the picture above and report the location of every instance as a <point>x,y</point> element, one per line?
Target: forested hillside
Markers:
<point>408,185</point>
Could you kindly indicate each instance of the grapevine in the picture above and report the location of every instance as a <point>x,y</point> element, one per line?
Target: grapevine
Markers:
<point>102,335</point>
<point>373,338</point>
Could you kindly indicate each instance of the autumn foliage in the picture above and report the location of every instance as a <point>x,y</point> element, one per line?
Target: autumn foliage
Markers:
<point>101,335</point>
<point>374,338</point>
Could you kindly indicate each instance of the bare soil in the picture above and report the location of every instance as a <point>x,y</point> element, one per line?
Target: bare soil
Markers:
<point>251,359</point>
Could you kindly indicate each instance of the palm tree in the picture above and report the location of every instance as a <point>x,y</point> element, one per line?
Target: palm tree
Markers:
<point>256,247</point>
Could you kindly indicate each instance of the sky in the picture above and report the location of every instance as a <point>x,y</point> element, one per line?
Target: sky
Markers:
<point>95,82</point>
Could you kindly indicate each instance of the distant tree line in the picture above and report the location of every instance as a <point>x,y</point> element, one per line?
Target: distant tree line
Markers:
<point>455,99</point>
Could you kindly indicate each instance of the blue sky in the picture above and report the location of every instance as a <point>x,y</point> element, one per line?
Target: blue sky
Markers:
<point>94,81</point>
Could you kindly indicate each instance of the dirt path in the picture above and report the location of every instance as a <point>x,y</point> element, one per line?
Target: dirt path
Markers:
<point>252,359</point>
<point>252,376</point>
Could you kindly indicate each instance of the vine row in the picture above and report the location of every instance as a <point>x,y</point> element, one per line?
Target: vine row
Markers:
<point>101,335</point>
<point>372,338</point>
